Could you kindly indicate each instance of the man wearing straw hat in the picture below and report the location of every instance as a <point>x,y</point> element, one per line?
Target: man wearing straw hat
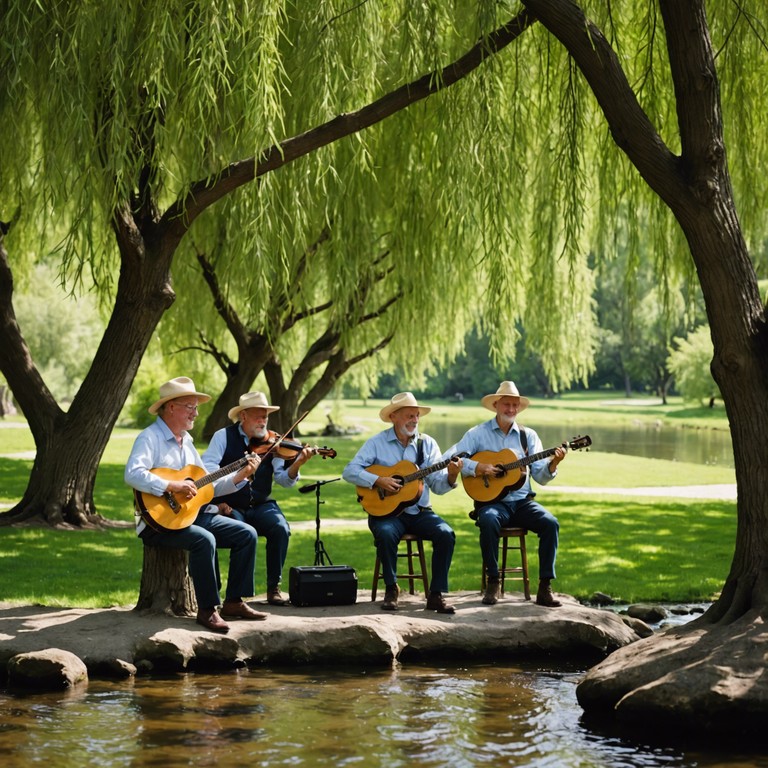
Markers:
<point>253,503</point>
<point>518,507</point>
<point>167,444</point>
<point>403,442</point>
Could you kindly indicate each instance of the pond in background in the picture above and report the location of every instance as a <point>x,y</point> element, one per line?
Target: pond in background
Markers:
<point>697,446</point>
<point>457,717</point>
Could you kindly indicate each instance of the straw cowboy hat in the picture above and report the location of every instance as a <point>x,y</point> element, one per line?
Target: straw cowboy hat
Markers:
<point>402,400</point>
<point>506,389</point>
<point>179,387</point>
<point>252,400</point>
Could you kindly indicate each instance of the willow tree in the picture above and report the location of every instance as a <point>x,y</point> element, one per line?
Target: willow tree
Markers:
<point>327,338</point>
<point>126,124</point>
<point>663,109</point>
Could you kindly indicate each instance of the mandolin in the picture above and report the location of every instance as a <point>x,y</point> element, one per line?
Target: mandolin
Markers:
<point>514,470</point>
<point>171,512</point>
<point>379,503</point>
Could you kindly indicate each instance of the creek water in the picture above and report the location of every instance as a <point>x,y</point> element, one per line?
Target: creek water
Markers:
<point>482,715</point>
<point>697,446</point>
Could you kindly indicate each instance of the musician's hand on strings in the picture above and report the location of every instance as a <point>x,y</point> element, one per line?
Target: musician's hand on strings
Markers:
<point>557,457</point>
<point>481,470</point>
<point>454,467</point>
<point>389,484</point>
<point>185,488</point>
<point>252,464</point>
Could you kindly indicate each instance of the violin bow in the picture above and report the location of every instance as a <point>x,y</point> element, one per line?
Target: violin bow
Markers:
<point>288,431</point>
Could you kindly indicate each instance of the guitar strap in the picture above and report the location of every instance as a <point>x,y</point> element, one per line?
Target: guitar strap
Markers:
<point>419,452</point>
<point>523,438</point>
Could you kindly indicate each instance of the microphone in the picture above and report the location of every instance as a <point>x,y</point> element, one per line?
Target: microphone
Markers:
<point>315,486</point>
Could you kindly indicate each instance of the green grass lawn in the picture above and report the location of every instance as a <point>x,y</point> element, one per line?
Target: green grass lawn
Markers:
<point>631,547</point>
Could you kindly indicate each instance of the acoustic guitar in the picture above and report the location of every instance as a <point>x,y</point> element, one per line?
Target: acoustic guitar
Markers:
<point>514,470</point>
<point>377,502</point>
<point>171,511</point>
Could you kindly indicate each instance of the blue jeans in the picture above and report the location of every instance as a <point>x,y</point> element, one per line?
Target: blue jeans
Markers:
<point>269,521</point>
<point>201,539</point>
<point>387,532</point>
<point>522,513</point>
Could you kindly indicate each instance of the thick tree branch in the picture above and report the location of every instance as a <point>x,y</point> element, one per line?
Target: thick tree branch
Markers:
<point>226,311</point>
<point>16,363</point>
<point>630,127</point>
<point>204,193</point>
<point>337,366</point>
<point>223,360</point>
<point>697,97</point>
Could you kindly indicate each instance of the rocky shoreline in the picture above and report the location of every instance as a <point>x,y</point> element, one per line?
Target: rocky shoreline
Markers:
<point>44,647</point>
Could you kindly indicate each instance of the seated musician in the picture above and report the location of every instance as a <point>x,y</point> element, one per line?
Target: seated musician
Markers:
<point>411,511</point>
<point>253,503</point>
<point>166,444</point>
<point>516,508</point>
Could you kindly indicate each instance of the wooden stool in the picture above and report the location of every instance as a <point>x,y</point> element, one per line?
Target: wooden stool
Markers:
<point>508,535</point>
<point>410,554</point>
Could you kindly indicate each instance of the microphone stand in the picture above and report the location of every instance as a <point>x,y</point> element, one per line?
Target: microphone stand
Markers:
<point>320,554</point>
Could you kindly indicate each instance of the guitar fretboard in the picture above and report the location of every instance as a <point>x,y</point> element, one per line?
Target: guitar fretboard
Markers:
<point>221,472</point>
<point>529,459</point>
<point>427,471</point>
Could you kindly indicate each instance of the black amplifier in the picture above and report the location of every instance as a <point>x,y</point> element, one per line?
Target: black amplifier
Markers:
<point>322,585</point>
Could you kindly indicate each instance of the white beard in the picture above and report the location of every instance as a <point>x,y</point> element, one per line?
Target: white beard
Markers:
<point>506,421</point>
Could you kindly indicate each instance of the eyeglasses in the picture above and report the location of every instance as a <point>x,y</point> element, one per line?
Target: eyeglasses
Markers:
<point>190,408</point>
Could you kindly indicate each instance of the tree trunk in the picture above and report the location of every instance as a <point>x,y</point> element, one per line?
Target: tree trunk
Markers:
<point>708,677</point>
<point>165,583</point>
<point>239,381</point>
<point>7,407</point>
<point>70,444</point>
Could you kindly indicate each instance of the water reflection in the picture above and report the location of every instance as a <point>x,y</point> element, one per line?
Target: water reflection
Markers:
<point>409,716</point>
<point>697,446</point>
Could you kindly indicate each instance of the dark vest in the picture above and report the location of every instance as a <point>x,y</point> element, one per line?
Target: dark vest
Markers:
<point>259,488</point>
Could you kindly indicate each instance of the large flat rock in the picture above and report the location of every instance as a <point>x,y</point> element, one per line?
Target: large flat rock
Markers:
<point>117,638</point>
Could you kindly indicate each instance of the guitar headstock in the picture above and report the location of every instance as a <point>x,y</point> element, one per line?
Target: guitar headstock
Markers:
<point>577,443</point>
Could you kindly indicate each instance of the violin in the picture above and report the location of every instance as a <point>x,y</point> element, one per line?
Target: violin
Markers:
<point>285,449</point>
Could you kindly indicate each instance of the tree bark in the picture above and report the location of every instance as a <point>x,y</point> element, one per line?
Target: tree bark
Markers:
<point>70,444</point>
<point>165,583</point>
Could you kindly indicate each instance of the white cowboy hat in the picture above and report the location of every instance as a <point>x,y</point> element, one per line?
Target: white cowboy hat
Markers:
<point>179,387</point>
<point>252,400</point>
<point>506,389</point>
<point>402,400</point>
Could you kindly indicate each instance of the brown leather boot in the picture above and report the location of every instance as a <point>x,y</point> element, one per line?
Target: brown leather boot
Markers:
<point>492,591</point>
<point>436,602</point>
<point>210,619</point>
<point>390,598</point>
<point>275,597</point>
<point>544,595</point>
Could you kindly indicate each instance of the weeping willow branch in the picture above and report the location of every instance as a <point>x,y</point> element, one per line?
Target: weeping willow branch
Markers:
<point>204,193</point>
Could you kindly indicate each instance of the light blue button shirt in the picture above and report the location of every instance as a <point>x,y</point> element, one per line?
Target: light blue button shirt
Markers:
<point>489,436</point>
<point>385,449</point>
<point>156,446</point>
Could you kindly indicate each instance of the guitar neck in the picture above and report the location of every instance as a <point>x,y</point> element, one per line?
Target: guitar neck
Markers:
<point>529,459</point>
<point>221,472</point>
<point>427,471</point>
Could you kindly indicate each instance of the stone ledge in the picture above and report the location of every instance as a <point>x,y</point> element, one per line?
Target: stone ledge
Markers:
<point>360,634</point>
